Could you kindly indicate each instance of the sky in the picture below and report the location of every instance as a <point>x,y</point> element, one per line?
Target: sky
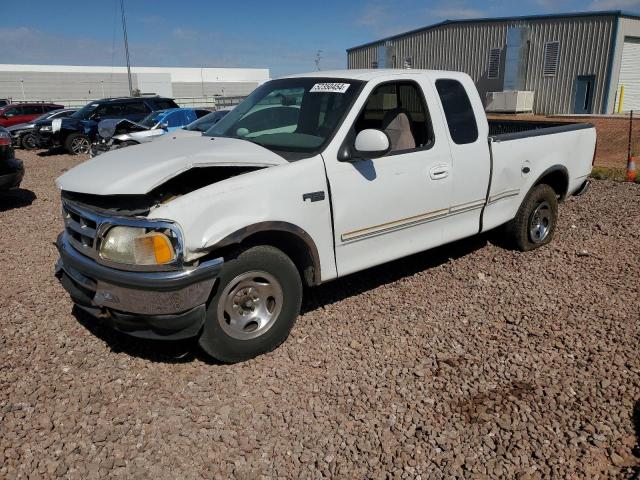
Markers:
<point>282,35</point>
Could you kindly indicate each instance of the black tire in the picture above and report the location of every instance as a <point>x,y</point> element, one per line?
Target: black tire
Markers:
<point>223,342</point>
<point>29,142</point>
<point>73,141</point>
<point>539,209</point>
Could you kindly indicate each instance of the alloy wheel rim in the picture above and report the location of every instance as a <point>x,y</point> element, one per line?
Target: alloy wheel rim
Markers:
<point>250,304</point>
<point>540,222</point>
<point>80,145</point>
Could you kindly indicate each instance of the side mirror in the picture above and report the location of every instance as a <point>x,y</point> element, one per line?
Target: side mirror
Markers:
<point>164,126</point>
<point>372,143</point>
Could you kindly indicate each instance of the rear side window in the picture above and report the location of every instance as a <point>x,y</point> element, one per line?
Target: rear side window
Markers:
<point>32,110</point>
<point>164,104</point>
<point>134,108</point>
<point>457,109</point>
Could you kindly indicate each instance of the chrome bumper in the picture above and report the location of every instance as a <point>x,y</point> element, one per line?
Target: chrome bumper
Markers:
<point>109,292</point>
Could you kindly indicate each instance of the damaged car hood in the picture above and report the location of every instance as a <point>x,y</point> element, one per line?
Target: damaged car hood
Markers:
<point>139,169</point>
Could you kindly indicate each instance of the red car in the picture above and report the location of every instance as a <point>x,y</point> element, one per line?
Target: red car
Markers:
<point>16,113</point>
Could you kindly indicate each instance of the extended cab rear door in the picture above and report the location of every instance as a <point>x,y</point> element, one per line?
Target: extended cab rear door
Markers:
<point>467,134</point>
<point>393,206</point>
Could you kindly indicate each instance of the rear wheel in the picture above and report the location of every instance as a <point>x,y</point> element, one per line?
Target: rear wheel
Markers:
<point>535,223</point>
<point>256,303</point>
<point>77,144</point>
<point>29,142</point>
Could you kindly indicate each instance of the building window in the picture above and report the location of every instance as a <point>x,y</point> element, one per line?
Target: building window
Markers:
<point>551,56</point>
<point>494,63</point>
<point>407,63</point>
<point>374,64</point>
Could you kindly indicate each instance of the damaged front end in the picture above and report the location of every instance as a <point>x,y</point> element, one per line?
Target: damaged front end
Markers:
<point>110,259</point>
<point>114,134</point>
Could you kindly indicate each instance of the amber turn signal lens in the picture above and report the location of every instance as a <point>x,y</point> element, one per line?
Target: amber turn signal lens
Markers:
<point>162,248</point>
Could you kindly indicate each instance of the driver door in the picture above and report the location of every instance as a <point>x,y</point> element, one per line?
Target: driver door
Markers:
<point>389,207</point>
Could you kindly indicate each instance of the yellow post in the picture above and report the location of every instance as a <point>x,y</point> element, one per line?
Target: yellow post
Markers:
<point>621,99</point>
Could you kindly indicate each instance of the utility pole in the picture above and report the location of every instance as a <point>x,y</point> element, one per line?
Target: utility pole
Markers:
<point>126,47</point>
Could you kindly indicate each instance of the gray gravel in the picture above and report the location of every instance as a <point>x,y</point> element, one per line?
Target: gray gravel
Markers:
<point>469,361</point>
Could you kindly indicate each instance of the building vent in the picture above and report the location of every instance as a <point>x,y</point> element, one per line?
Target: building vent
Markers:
<point>407,63</point>
<point>551,54</point>
<point>494,63</point>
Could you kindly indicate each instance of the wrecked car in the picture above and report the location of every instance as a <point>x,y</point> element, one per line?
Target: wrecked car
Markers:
<point>118,133</point>
<point>309,179</point>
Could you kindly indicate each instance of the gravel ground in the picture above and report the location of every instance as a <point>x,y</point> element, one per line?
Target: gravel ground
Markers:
<point>471,360</point>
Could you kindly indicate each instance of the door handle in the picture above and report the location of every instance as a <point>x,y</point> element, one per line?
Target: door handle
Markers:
<point>439,172</point>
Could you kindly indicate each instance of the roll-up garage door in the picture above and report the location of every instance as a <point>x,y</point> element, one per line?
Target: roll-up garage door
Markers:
<point>630,75</point>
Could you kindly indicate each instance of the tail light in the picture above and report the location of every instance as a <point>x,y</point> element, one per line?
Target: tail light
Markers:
<point>595,152</point>
<point>5,138</point>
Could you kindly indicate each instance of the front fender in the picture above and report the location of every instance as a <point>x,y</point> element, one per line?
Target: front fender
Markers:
<point>236,207</point>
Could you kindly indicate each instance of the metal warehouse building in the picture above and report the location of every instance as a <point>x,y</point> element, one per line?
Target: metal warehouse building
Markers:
<point>575,63</point>
<point>78,84</point>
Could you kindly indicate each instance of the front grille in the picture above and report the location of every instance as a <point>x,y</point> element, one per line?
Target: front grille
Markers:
<point>81,230</point>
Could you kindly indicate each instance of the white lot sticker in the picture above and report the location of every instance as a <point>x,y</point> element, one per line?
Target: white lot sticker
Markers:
<point>330,87</point>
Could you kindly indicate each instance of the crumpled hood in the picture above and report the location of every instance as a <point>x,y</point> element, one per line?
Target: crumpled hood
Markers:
<point>20,126</point>
<point>139,169</point>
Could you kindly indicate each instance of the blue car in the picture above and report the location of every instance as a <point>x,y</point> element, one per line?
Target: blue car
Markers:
<point>115,134</point>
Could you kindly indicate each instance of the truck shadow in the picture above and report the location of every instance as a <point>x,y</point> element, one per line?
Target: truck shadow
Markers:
<point>371,278</point>
<point>187,350</point>
<point>182,351</point>
<point>17,198</point>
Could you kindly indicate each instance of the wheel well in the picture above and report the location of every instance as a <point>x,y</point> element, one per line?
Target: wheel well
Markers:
<point>558,179</point>
<point>303,255</point>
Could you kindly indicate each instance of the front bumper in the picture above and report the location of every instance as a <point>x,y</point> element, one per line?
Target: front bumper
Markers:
<point>11,177</point>
<point>45,139</point>
<point>160,305</point>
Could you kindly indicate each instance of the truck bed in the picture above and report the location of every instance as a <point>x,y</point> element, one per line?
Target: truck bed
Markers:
<point>507,129</point>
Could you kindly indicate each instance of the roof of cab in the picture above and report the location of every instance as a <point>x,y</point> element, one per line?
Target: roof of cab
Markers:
<point>370,74</point>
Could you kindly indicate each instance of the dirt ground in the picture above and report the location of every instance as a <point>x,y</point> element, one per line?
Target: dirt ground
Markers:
<point>469,361</point>
<point>613,136</point>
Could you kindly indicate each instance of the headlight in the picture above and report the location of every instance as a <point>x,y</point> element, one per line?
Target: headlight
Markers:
<point>45,128</point>
<point>137,246</point>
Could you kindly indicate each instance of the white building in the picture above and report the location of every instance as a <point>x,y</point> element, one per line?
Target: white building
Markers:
<point>75,85</point>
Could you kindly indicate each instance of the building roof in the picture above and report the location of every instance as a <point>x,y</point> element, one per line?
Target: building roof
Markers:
<point>602,13</point>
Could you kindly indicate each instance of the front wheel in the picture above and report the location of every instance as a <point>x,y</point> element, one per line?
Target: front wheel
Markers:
<point>535,222</point>
<point>29,141</point>
<point>77,144</point>
<point>256,303</point>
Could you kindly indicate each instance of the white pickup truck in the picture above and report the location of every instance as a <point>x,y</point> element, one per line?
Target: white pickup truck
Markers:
<point>311,178</point>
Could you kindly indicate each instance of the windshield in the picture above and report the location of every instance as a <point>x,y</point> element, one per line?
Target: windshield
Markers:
<point>290,115</point>
<point>44,116</point>
<point>205,123</point>
<point>152,119</point>
<point>85,111</point>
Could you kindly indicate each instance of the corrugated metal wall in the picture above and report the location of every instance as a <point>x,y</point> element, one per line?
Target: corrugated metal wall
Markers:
<point>585,44</point>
